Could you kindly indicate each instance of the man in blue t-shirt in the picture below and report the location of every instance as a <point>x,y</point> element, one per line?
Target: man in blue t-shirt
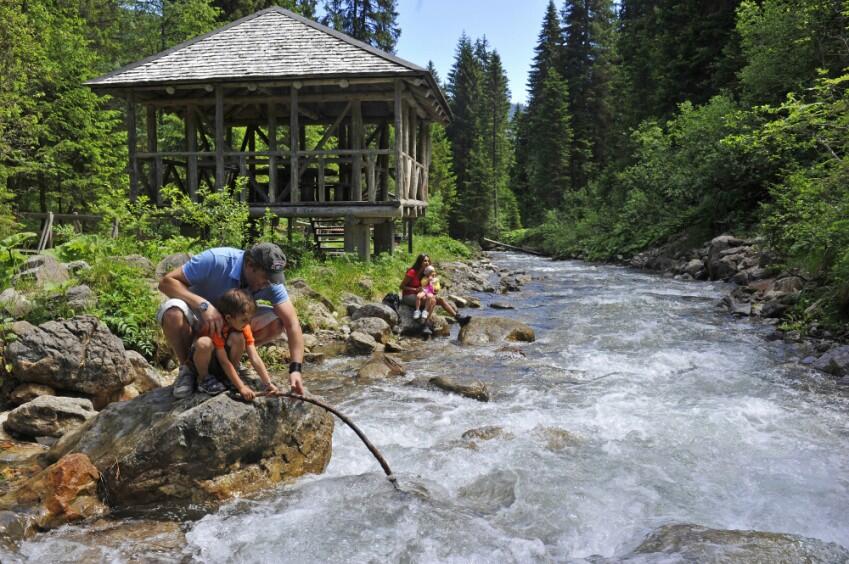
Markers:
<point>194,287</point>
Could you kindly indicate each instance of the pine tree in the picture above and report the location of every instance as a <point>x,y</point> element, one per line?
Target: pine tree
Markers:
<point>372,21</point>
<point>548,53</point>
<point>549,164</point>
<point>235,9</point>
<point>495,129</point>
<point>588,69</point>
<point>464,90</point>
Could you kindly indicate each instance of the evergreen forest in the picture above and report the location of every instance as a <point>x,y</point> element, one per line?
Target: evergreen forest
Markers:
<point>646,121</point>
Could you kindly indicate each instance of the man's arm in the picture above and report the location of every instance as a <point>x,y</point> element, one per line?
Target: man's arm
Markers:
<point>176,285</point>
<point>289,317</point>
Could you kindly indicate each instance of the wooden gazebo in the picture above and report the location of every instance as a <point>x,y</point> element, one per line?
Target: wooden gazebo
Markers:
<point>318,124</point>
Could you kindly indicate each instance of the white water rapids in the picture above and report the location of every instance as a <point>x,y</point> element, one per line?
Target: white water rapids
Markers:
<point>640,404</point>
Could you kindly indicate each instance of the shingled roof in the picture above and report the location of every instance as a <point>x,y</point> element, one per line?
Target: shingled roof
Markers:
<point>271,44</point>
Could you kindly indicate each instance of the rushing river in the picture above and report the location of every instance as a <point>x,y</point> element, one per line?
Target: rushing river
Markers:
<point>640,405</point>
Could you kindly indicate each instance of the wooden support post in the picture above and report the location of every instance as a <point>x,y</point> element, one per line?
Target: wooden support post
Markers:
<point>414,154</point>
<point>357,145</point>
<point>410,223</point>
<point>357,238</point>
<point>251,133</point>
<point>321,188</point>
<point>294,143</point>
<point>424,134</point>
<point>219,137</point>
<point>192,147</point>
<point>154,173</point>
<point>370,177</point>
<point>272,158</point>
<point>399,141</point>
<point>383,162</point>
<point>409,143</point>
<point>384,237</point>
<point>131,146</point>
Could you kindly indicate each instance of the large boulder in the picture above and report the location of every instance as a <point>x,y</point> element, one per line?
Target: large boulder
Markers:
<point>316,316</point>
<point>374,326</point>
<point>694,543</point>
<point>49,416</point>
<point>382,311</point>
<point>78,354</point>
<point>80,298</point>
<point>718,269</point>
<point>41,271</point>
<point>834,362</point>
<point>155,448</point>
<point>298,288</point>
<point>380,366</point>
<point>485,330</point>
<point>171,262</point>
<point>411,327</point>
<point>14,303</point>
<point>477,390</point>
<point>362,343</point>
<point>61,493</point>
<point>146,377</point>
<point>28,392</point>
<point>138,262</point>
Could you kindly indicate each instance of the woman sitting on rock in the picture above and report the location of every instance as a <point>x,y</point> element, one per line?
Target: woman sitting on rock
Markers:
<point>412,285</point>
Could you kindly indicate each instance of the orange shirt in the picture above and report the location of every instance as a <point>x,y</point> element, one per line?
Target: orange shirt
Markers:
<point>220,339</point>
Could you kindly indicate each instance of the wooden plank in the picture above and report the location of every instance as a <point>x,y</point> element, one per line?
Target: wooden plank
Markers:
<point>131,146</point>
<point>414,151</point>
<point>319,146</point>
<point>321,187</point>
<point>356,146</point>
<point>325,210</point>
<point>158,179</point>
<point>370,177</point>
<point>155,178</point>
<point>192,147</point>
<point>399,137</point>
<point>271,141</point>
<point>365,96</point>
<point>383,161</point>
<point>219,137</point>
<point>294,192</point>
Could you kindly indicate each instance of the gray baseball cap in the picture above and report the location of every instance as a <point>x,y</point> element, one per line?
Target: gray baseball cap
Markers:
<point>271,259</point>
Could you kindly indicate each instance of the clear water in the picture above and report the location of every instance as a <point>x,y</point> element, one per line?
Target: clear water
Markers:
<point>640,404</point>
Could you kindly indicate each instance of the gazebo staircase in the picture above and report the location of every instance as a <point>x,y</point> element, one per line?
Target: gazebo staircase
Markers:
<point>329,235</point>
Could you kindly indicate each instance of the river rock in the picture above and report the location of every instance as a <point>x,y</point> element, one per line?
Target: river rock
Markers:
<point>78,354</point>
<point>171,262</point>
<point>14,303</point>
<point>49,416</point>
<point>485,330</point>
<point>62,493</point>
<point>28,392</point>
<point>458,301</point>
<point>379,366</point>
<point>379,329</point>
<point>693,543</point>
<point>410,327</point>
<point>145,377</point>
<point>773,308</point>
<point>80,298</point>
<point>298,288</point>
<point>41,271</point>
<point>487,433</point>
<point>716,267</point>
<point>834,362</point>
<point>316,316</point>
<point>76,266</point>
<point>476,390</point>
<point>556,439</point>
<point>382,311</point>
<point>351,302</point>
<point>501,305</point>
<point>155,448</point>
<point>789,285</point>
<point>694,267</point>
<point>362,343</point>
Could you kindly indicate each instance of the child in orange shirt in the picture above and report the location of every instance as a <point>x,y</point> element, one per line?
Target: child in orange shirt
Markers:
<point>216,357</point>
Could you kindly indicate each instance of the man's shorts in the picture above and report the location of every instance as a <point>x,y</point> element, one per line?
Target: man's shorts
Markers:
<point>263,316</point>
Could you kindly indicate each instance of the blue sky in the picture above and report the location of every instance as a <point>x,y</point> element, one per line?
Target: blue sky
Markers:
<point>430,30</point>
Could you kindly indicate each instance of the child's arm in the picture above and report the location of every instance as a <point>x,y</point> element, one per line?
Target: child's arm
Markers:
<point>259,366</point>
<point>233,375</point>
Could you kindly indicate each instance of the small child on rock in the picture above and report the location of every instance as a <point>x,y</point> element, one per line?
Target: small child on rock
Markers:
<point>430,286</point>
<point>216,357</point>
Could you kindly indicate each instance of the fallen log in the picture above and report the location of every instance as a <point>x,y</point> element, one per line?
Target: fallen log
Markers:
<point>512,247</point>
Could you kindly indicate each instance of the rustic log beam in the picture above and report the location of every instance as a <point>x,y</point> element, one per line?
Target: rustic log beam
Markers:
<point>271,142</point>
<point>132,146</point>
<point>294,192</point>
<point>219,138</point>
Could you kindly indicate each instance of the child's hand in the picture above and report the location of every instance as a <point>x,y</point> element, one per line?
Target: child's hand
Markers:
<point>272,389</point>
<point>247,393</point>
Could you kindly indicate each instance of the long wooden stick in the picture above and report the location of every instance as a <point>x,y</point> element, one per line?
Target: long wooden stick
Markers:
<point>349,423</point>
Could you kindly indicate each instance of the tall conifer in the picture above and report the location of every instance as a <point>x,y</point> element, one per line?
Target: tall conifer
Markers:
<point>372,21</point>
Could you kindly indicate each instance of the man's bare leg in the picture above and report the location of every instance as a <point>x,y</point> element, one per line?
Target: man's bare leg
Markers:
<point>178,333</point>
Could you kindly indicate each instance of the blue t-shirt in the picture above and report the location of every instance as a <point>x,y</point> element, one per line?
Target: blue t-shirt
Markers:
<point>214,271</point>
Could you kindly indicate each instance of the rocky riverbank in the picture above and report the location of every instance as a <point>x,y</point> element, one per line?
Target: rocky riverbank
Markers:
<point>90,426</point>
<point>760,290</point>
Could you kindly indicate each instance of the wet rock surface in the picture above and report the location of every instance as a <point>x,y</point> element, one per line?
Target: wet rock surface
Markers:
<point>200,449</point>
<point>476,390</point>
<point>486,330</point>
<point>49,416</point>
